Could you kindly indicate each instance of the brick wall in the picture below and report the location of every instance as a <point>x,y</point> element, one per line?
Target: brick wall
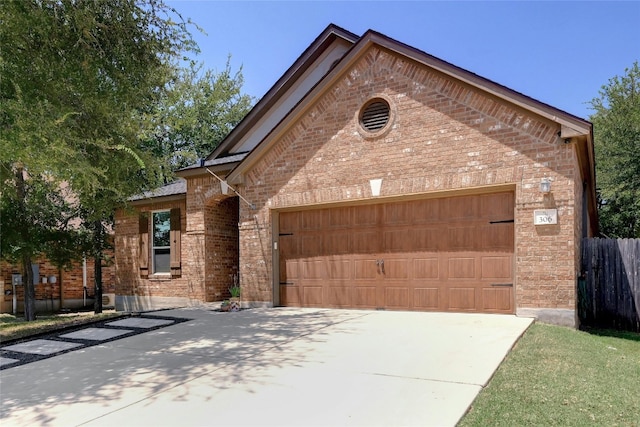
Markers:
<point>445,137</point>
<point>212,235</point>
<point>68,290</point>
<point>221,225</point>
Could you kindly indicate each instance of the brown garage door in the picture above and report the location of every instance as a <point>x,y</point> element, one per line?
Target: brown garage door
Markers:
<point>445,254</point>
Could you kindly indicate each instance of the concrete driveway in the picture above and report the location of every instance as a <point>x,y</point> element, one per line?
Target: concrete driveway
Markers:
<point>269,367</point>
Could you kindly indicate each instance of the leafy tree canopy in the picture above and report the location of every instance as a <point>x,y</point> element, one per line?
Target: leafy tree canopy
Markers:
<point>617,145</point>
<point>199,110</point>
<point>78,79</point>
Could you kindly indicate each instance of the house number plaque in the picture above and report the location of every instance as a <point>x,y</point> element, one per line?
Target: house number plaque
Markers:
<point>545,216</point>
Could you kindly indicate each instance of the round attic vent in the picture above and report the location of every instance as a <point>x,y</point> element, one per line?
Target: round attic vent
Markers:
<point>375,115</point>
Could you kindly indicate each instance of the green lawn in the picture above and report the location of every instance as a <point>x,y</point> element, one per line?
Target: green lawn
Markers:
<point>12,327</point>
<point>558,376</point>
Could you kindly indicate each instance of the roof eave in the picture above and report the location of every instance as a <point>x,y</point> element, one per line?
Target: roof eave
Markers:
<point>202,170</point>
<point>158,199</point>
<point>304,61</point>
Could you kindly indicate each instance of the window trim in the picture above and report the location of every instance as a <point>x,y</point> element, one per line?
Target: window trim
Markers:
<point>146,248</point>
<point>153,247</point>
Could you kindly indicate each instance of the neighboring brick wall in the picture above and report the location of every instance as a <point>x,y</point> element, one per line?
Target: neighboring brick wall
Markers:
<point>69,280</point>
<point>446,136</point>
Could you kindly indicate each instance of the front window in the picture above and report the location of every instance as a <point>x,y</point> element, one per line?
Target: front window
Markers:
<point>161,242</point>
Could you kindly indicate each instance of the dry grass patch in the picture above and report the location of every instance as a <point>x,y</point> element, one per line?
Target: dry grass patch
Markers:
<point>14,327</point>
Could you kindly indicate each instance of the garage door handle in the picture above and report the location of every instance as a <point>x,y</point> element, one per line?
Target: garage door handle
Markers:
<point>380,265</point>
<point>506,285</point>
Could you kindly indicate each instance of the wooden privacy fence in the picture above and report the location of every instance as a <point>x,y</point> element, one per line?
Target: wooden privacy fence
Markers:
<point>609,287</point>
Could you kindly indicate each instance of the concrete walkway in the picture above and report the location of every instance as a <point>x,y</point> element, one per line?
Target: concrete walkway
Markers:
<point>268,367</point>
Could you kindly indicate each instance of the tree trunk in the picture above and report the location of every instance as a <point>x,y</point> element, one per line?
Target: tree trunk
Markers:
<point>97,267</point>
<point>27,269</point>
<point>29,288</point>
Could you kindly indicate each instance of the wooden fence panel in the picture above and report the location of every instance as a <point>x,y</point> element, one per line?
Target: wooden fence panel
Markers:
<point>609,288</point>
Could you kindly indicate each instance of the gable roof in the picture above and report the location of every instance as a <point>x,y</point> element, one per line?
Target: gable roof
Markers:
<point>572,128</point>
<point>175,188</point>
<point>305,61</point>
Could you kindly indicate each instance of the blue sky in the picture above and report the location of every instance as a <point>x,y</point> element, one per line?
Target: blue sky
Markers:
<point>559,53</point>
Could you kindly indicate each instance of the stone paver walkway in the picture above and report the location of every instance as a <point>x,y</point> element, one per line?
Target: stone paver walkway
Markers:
<point>28,351</point>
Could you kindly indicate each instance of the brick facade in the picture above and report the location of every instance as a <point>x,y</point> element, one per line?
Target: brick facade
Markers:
<point>450,133</point>
<point>68,291</point>
<point>446,137</point>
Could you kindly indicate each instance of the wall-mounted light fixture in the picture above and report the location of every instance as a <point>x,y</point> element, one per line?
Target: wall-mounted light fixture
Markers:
<point>545,185</point>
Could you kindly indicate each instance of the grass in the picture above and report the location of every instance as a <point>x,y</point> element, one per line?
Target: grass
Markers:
<point>557,376</point>
<point>14,327</point>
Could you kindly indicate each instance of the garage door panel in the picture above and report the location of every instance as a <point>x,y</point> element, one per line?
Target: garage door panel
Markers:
<point>312,296</point>
<point>396,297</point>
<point>462,299</point>
<point>339,269</point>
<point>395,269</point>
<point>460,208</point>
<point>496,267</point>
<point>397,214</point>
<point>365,216</point>
<point>426,211</point>
<point>463,238</point>
<point>289,221</point>
<point>397,240</point>
<point>498,206</point>
<point>339,296</point>
<point>289,270</point>
<point>461,268</point>
<point>366,242</point>
<point>364,296</point>
<point>428,239</point>
<point>431,254</point>
<point>497,236</point>
<point>289,244</point>
<point>337,243</point>
<point>314,269</point>
<point>340,217</point>
<point>312,220</point>
<point>497,299</point>
<point>426,268</point>
<point>311,245</point>
<point>365,269</point>
<point>426,298</point>
<point>290,295</point>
